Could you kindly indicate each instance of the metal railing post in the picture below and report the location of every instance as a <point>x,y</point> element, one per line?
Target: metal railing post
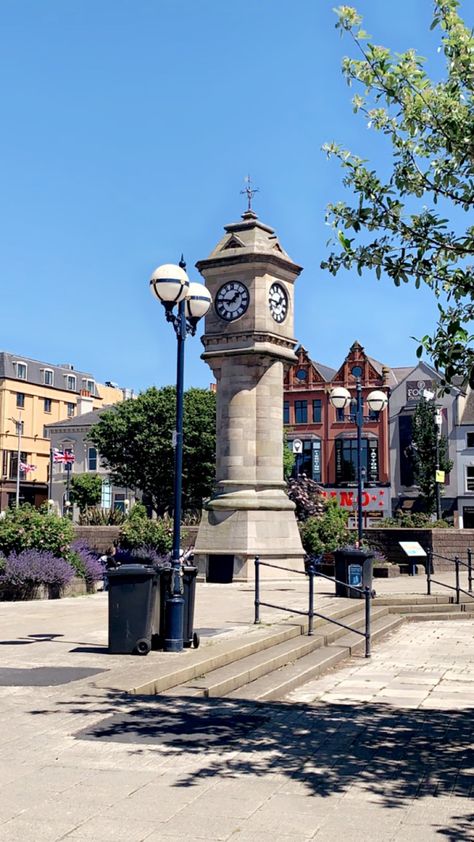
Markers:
<point>456,563</point>
<point>311,599</point>
<point>469,570</point>
<point>257,590</point>
<point>429,567</point>
<point>368,597</point>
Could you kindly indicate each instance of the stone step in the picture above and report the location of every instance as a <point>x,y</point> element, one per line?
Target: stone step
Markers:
<point>223,681</point>
<point>438,608</point>
<point>447,615</point>
<point>276,685</point>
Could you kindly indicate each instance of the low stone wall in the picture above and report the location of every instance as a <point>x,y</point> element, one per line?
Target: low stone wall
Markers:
<point>442,542</point>
<point>98,538</point>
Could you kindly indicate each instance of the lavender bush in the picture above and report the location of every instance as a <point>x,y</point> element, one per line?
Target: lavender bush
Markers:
<point>85,563</point>
<point>24,572</point>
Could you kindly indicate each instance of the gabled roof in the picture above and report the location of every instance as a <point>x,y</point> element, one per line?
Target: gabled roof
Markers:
<point>86,420</point>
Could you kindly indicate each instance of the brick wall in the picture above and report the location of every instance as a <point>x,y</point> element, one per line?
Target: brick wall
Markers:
<point>444,542</point>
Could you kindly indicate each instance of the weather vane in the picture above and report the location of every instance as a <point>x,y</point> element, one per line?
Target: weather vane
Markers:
<point>249,192</point>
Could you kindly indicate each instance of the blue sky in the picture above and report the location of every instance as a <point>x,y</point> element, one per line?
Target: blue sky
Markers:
<point>127,130</point>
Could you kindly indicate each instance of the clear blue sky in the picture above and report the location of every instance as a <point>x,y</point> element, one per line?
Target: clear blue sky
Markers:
<point>127,130</point>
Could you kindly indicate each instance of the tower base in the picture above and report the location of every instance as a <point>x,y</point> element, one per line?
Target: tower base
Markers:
<point>229,539</point>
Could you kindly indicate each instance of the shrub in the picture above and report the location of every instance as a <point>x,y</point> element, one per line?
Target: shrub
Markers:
<point>413,520</point>
<point>86,490</point>
<point>102,517</point>
<point>140,531</point>
<point>85,563</point>
<point>327,533</point>
<point>24,573</point>
<point>306,495</point>
<point>26,528</point>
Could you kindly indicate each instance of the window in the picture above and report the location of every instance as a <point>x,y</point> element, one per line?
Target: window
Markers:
<point>21,371</point>
<point>71,382</point>
<point>469,478</point>
<point>70,410</point>
<point>20,400</point>
<point>346,460</point>
<point>14,464</point>
<point>469,439</point>
<point>90,386</point>
<point>48,377</point>
<point>301,412</point>
<point>92,459</point>
<point>119,502</point>
<point>302,374</point>
<point>286,412</point>
<point>106,500</point>
<point>406,450</point>
<point>309,460</point>
<point>47,404</point>
<point>317,411</point>
<point>340,414</point>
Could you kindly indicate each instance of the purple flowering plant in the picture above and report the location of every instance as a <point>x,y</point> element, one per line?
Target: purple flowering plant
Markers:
<point>85,562</point>
<point>24,572</point>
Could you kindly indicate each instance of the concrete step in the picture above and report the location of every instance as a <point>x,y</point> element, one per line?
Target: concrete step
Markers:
<point>447,615</point>
<point>222,681</point>
<point>438,609</point>
<point>276,685</point>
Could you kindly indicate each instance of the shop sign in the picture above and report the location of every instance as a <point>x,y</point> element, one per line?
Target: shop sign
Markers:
<point>415,389</point>
<point>372,498</point>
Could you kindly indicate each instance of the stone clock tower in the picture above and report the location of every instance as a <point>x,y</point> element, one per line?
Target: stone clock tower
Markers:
<point>248,339</point>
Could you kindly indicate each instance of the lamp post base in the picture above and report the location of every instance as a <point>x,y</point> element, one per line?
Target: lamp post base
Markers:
<point>174,618</point>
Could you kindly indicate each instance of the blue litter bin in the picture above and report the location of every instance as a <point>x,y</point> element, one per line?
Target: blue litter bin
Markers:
<point>353,567</point>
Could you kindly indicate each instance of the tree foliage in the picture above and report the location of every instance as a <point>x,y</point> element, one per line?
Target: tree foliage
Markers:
<point>415,225</point>
<point>424,433</point>
<point>134,439</point>
<point>86,490</point>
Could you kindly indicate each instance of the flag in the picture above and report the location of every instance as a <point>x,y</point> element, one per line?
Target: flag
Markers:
<point>26,468</point>
<point>63,456</point>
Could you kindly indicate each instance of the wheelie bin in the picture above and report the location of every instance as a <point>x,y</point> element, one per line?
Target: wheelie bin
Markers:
<point>133,608</point>
<point>353,567</point>
<point>190,637</point>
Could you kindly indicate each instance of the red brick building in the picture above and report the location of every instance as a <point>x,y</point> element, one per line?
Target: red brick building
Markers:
<point>329,436</point>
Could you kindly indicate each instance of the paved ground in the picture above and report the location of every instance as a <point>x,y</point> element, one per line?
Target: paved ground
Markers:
<point>377,750</point>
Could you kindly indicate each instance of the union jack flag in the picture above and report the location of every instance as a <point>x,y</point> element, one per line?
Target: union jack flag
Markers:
<point>63,456</point>
<point>26,468</point>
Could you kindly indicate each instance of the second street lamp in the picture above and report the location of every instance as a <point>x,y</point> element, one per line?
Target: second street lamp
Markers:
<point>170,285</point>
<point>377,400</point>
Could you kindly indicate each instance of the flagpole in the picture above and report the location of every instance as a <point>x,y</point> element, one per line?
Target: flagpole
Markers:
<point>18,431</point>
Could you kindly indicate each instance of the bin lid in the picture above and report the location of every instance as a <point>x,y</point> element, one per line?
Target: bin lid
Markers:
<point>131,570</point>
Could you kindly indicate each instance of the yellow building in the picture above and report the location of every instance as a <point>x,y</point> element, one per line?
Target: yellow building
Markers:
<point>33,394</point>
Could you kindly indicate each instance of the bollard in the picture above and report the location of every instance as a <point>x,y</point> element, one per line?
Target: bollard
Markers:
<point>469,570</point>
<point>429,567</point>
<point>257,589</point>
<point>456,563</point>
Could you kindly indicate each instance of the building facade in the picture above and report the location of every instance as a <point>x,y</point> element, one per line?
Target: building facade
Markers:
<point>32,395</point>
<point>71,436</point>
<point>329,436</point>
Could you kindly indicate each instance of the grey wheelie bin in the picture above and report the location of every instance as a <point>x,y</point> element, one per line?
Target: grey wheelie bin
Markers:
<point>353,567</point>
<point>134,609</point>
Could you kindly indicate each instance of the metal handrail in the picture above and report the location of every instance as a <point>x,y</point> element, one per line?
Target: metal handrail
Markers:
<point>311,613</point>
<point>457,563</point>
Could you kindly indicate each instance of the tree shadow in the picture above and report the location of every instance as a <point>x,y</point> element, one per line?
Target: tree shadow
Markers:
<point>395,755</point>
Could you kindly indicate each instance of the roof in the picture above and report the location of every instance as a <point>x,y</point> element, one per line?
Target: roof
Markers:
<point>35,372</point>
<point>86,420</point>
<point>325,371</point>
<point>468,413</point>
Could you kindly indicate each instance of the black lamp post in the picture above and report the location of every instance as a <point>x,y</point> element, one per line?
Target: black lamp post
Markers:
<point>377,401</point>
<point>170,285</point>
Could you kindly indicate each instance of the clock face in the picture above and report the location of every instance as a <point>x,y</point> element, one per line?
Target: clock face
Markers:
<point>232,300</point>
<point>278,302</point>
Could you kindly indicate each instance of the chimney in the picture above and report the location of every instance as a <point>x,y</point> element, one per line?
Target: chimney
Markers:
<point>85,402</point>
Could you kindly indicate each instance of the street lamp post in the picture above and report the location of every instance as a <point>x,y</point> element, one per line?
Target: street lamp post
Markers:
<point>377,400</point>
<point>170,285</point>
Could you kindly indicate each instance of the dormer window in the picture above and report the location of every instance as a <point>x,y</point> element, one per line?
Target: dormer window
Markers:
<point>90,386</point>
<point>21,371</point>
<point>48,377</point>
<point>71,382</point>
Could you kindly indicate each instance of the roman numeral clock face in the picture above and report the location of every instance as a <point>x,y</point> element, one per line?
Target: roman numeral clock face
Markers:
<point>232,300</point>
<point>278,302</point>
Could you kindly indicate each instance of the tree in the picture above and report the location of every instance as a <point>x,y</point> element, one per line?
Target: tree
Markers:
<point>424,433</point>
<point>86,490</point>
<point>399,231</point>
<point>134,439</point>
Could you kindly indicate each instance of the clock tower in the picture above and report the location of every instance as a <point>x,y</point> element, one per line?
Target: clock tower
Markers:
<point>248,339</point>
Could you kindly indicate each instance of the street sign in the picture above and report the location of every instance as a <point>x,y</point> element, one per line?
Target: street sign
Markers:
<point>412,548</point>
<point>440,476</point>
<point>297,446</point>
